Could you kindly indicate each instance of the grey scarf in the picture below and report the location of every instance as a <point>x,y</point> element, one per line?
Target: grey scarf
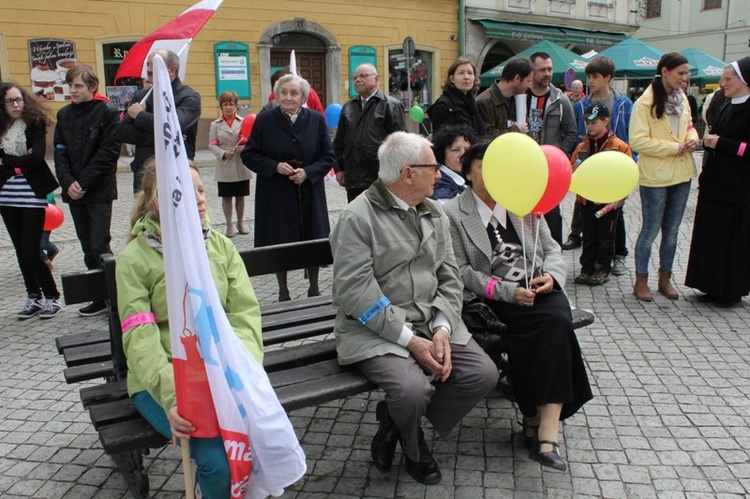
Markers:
<point>674,104</point>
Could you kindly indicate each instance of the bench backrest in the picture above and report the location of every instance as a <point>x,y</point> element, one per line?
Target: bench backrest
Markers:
<point>90,286</point>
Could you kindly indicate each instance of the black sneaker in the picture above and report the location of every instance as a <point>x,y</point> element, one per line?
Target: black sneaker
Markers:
<point>93,308</point>
<point>52,307</point>
<point>582,278</point>
<point>32,308</point>
<point>600,277</point>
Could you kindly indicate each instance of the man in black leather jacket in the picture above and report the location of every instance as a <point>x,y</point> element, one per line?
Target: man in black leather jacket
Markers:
<point>138,123</point>
<point>365,122</point>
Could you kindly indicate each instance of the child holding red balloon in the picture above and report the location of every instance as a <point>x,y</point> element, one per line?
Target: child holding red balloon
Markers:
<point>598,221</point>
<point>53,218</point>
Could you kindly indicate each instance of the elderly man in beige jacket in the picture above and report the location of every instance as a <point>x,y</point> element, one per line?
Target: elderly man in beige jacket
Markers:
<point>399,295</point>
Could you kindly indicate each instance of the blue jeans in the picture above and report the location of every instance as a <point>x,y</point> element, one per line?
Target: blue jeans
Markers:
<point>662,209</point>
<point>208,453</point>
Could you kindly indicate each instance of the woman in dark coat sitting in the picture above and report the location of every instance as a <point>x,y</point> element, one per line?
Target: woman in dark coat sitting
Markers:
<point>719,262</point>
<point>546,368</point>
<point>457,105</point>
<point>449,145</point>
<point>290,150</point>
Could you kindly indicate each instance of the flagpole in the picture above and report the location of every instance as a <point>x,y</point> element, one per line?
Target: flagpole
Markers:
<point>187,469</point>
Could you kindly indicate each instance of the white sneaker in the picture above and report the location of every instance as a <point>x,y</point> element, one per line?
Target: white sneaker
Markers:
<point>32,308</point>
<point>618,266</point>
<point>52,307</point>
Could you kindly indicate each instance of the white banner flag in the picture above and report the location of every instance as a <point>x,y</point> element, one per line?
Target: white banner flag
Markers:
<point>263,451</point>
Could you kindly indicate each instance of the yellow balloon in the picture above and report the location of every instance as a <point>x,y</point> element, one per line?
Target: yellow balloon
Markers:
<point>605,177</point>
<point>515,172</point>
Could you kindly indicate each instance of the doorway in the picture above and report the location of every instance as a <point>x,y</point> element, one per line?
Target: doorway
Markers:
<point>310,52</point>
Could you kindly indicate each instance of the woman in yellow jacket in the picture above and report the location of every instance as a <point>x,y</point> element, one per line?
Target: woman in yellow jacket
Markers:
<point>662,133</point>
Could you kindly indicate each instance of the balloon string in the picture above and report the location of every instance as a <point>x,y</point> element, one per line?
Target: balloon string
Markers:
<point>536,243</point>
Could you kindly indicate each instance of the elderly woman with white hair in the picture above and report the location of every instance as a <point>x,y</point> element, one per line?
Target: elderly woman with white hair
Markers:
<point>719,262</point>
<point>291,152</point>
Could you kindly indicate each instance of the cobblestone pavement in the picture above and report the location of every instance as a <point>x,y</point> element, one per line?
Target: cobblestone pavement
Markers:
<point>669,418</point>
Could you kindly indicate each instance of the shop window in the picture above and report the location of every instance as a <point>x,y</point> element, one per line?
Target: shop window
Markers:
<point>113,54</point>
<point>420,75</point>
<point>653,9</point>
<point>119,92</point>
<point>711,4</point>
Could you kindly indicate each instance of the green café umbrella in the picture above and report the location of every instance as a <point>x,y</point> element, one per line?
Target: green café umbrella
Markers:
<point>562,60</point>
<point>633,58</point>
<point>703,67</point>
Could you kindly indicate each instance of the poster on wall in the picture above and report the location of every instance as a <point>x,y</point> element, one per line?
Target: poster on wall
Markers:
<point>50,60</point>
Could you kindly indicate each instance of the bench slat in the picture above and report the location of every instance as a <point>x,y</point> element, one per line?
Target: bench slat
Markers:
<point>84,287</point>
<point>89,371</point>
<point>299,355</point>
<point>105,392</point>
<point>299,304</point>
<point>88,354</point>
<point>116,411</point>
<point>285,257</point>
<point>332,387</point>
<point>129,435</point>
<point>296,317</point>
<point>299,332</point>
<point>80,339</point>
<point>309,372</point>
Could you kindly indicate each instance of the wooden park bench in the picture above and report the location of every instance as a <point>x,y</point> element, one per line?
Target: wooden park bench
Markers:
<point>300,355</point>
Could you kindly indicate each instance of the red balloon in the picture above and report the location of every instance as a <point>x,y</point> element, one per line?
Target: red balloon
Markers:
<point>558,181</point>
<point>53,217</point>
<point>247,126</point>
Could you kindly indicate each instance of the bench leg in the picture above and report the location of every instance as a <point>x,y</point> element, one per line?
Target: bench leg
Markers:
<point>130,465</point>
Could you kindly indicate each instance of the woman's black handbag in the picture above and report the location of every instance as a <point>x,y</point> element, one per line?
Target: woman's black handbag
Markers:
<point>486,328</point>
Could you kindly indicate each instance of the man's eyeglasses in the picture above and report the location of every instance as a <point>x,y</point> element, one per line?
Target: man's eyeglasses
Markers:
<point>16,100</point>
<point>363,76</point>
<point>434,166</point>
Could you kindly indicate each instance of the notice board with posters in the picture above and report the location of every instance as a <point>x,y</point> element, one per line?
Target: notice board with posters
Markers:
<point>49,60</point>
<point>232,62</point>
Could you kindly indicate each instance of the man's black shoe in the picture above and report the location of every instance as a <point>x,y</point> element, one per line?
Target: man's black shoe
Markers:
<point>425,471</point>
<point>384,442</point>
<point>571,243</point>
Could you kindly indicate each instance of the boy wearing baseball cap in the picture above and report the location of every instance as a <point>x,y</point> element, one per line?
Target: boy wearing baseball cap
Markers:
<point>598,221</point>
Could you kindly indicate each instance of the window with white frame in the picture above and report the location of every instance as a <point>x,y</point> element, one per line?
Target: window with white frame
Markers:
<point>520,4</point>
<point>561,7</point>
<point>599,9</point>
<point>418,77</point>
<point>652,8</point>
<point>711,4</point>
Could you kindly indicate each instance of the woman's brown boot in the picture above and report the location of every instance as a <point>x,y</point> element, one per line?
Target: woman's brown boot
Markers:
<point>665,285</point>
<point>640,290</point>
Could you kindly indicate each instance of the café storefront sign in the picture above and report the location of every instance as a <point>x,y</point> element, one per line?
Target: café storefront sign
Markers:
<point>50,59</point>
<point>557,34</point>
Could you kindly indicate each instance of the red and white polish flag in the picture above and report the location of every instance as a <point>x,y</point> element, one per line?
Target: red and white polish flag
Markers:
<point>176,36</point>
<point>220,386</point>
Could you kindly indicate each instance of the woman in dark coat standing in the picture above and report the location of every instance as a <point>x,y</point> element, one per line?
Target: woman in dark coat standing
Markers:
<point>719,262</point>
<point>290,150</point>
<point>457,105</point>
<point>25,182</point>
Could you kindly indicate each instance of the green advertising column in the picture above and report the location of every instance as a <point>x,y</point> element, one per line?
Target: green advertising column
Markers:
<point>232,64</point>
